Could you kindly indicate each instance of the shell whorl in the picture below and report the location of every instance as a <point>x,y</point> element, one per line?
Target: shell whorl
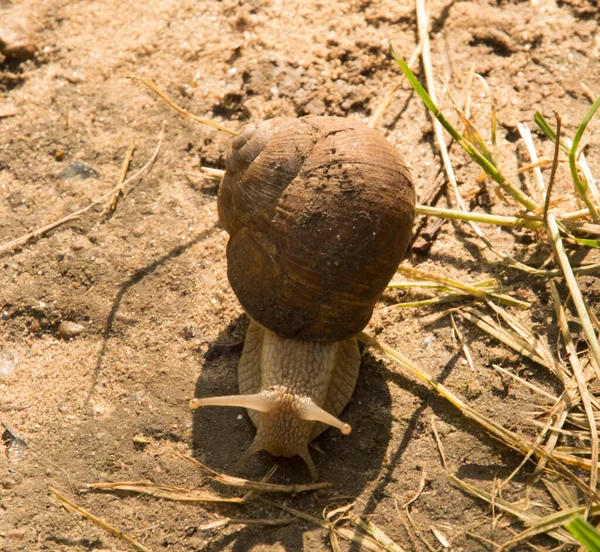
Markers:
<point>319,212</point>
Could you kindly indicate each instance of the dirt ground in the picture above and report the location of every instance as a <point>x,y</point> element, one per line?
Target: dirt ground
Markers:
<point>149,287</point>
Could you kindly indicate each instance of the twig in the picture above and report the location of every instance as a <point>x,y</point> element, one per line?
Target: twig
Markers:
<point>349,534</point>
<point>372,529</point>
<point>41,231</point>
<point>438,443</point>
<point>525,383</point>
<point>260,486</point>
<point>419,490</point>
<point>241,521</point>
<point>554,165</point>
<point>176,494</point>
<point>110,208</point>
<point>98,521</point>
<point>462,344</point>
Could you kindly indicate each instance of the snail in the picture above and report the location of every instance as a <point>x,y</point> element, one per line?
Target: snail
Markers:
<point>319,211</point>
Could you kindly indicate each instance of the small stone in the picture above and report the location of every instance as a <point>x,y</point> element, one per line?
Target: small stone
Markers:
<point>7,110</point>
<point>8,363</point>
<point>68,330</point>
<point>188,332</point>
<point>79,243</point>
<point>315,107</point>
<point>16,38</point>
<point>16,534</point>
<point>78,171</point>
<point>141,441</point>
<point>11,480</point>
<point>35,326</point>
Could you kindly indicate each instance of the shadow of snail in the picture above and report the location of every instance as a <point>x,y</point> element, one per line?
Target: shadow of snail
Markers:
<point>319,211</point>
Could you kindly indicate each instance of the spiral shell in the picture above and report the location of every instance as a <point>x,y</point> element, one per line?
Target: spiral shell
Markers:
<point>319,212</point>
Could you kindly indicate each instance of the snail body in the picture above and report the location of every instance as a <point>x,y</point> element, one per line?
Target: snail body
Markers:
<point>319,212</point>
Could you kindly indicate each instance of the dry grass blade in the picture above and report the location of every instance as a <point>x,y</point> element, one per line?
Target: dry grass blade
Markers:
<point>508,437</point>
<point>576,296</point>
<point>440,536</point>
<point>583,463</point>
<point>465,288</point>
<point>150,84</point>
<point>528,139</point>
<point>537,524</point>
<point>560,492</point>
<point>264,487</point>
<point>557,410</point>
<point>7,246</point>
<point>240,521</point>
<point>462,344</point>
<point>333,520</point>
<point>491,327</point>
<point>539,345</point>
<point>525,383</point>
<point>78,509</point>
<point>349,534</point>
<point>167,492</point>
<point>488,285</point>
<point>112,205</point>
<point>209,172</point>
<point>419,490</point>
<point>581,383</point>
<point>260,486</point>
<point>372,529</point>
<point>438,443</point>
<point>406,525</point>
<point>440,300</point>
<point>500,503</point>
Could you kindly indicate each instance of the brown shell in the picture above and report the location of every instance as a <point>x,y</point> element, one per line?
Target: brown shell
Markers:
<point>319,211</point>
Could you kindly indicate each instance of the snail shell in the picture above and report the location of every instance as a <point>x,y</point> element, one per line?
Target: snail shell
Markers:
<point>320,212</point>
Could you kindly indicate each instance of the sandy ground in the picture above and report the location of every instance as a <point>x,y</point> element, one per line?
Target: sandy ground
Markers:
<point>148,285</point>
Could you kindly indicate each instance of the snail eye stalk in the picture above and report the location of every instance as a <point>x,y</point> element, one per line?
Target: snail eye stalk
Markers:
<point>260,402</point>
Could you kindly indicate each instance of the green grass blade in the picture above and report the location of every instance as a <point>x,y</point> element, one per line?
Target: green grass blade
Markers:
<point>541,122</point>
<point>471,150</point>
<point>582,185</point>
<point>585,533</point>
<point>425,97</point>
<point>586,242</point>
<point>584,123</point>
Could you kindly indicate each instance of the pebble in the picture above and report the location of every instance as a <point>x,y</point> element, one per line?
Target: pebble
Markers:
<point>16,534</point>
<point>78,171</point>
<point>79,243</point>
<point>8,363</point>
<point>16,38</point>
<point>7,110</point>
<point>68,330</point>
<point>11,480</point>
